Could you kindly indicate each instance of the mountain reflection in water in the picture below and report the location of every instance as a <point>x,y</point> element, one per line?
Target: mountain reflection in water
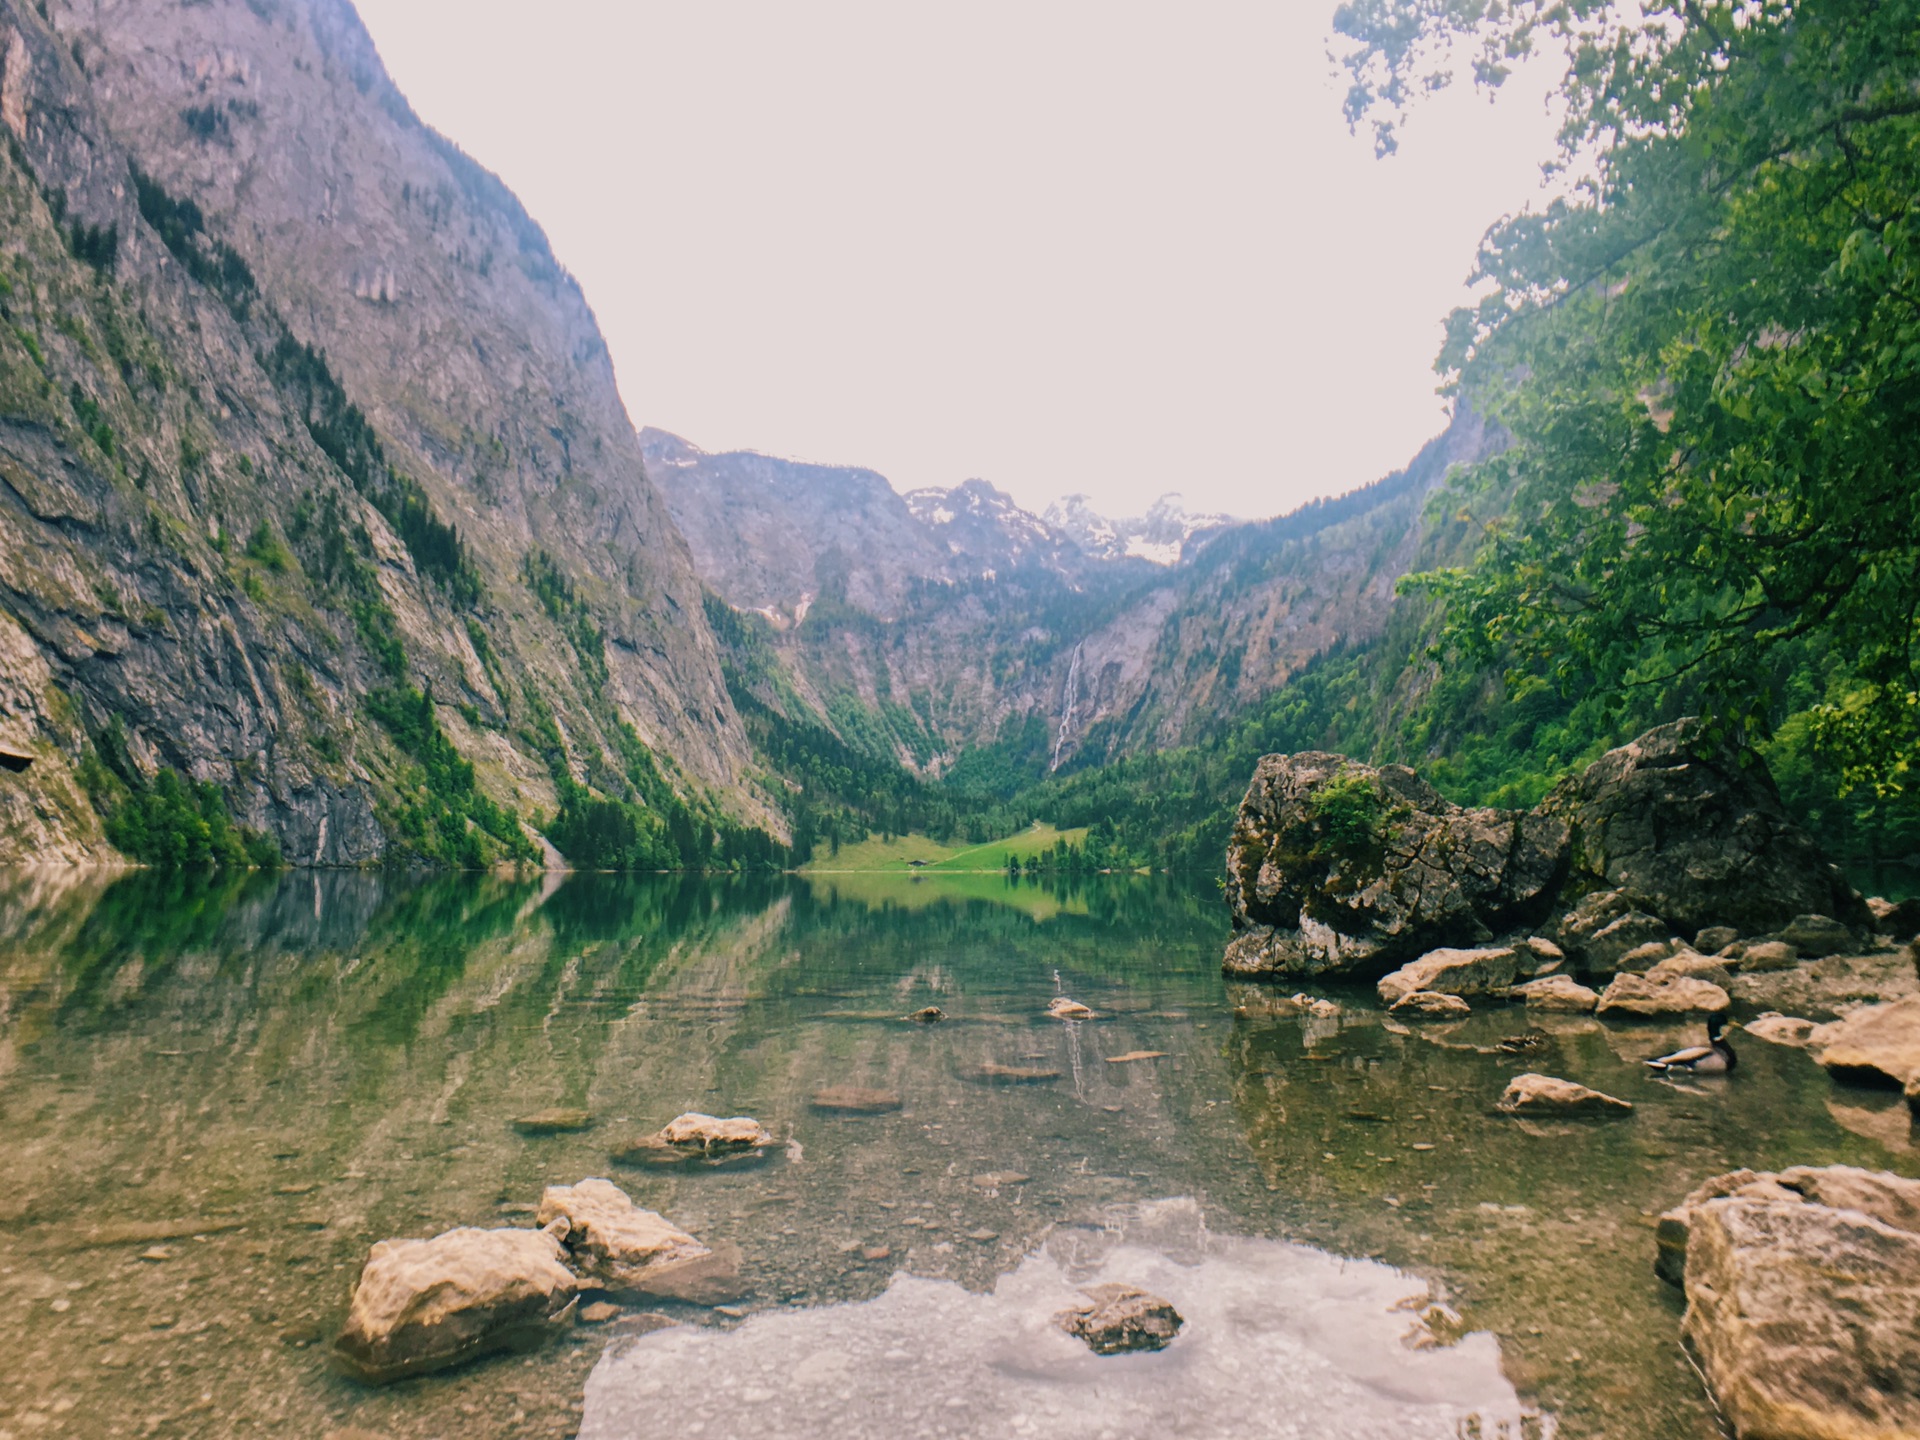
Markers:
<point>216,1094</point>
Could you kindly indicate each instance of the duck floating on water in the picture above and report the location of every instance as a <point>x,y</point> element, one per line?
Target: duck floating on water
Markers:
<point>1716,1057</point>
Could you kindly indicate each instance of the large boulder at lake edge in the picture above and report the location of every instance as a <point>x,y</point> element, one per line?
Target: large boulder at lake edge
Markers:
<point>1340,867</point>
<point>1803,1299</point>
<point>1337,866</point>
<point>426,1304</point>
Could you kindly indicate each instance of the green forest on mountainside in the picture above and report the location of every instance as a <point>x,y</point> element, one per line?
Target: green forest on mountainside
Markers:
<point>1707,354</point>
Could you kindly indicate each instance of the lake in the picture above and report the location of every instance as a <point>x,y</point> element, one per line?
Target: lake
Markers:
<point>215,1094</point>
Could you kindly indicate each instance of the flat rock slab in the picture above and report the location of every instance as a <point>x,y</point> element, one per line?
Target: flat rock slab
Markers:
<point>1453,972</point>
<point>741,1132</point>
<point>425,1304</point>
<point>1280,1340</point>
<point>1560,994</point>
<point>1803,1305</point>
<point>1118,1318</point>
<point>1547,1095</point>
<point>1789,1030</point>
<point>1879,1044</point>
<point>1643,997</point>
<point>855,1100</point>
<point>1132,1055</point>
<point>610,1240</point>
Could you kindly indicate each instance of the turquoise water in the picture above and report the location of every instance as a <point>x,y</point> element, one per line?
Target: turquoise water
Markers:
<point>215,1095</point>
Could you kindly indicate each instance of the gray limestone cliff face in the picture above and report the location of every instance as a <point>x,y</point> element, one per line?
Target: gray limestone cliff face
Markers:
<point>987,621</point>
<point>160,474</point>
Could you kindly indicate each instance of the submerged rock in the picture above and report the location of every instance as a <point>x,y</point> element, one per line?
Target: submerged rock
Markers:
<point>928,1015</point>
<point>1643,997</point>
<point>1803,1299</point>
<point>1561,993</point>
<point>1778,1029</point>
<point>1119,1318</point>
<point>993,1073</point>
<point>1546,1095</point>
<point>1062,1008</point>
<point>611,1241</point>
<point>1431,1005</point>
<point>1879,1044</point>
<point>425,1304</point>
<point>557,1121</point>
<point>1452,972</point>
<point>855,1100</point>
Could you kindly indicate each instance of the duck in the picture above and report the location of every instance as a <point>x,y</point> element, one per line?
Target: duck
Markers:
<point>1716,1057</point>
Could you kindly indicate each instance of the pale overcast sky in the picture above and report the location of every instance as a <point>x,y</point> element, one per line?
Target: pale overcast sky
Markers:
<point>1064,245</point>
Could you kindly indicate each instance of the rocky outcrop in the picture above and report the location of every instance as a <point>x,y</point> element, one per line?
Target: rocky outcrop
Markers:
<point>1429,1005</point>
<point>1690,828</point>
<point>314,412</point>
<point>1803,1299</point>
<point>425,1304</point>
<point>1548,1095</point>
<point>1336,866</point>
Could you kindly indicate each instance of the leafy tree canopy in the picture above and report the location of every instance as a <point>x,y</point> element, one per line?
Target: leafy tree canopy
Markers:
<point>1708,355</point>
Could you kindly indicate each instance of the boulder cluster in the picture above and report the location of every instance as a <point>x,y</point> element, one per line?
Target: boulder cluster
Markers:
<point>423,1305</point>
<point>1670,859</point>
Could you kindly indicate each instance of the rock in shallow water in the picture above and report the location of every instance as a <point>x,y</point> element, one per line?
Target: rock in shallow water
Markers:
<point>1879,1044</point>
<point>611,1241</point>
<point>1547,1095</point>
<point>697,1140</point>
<point>1452,972</point>
<point>558,1121</point>
<point>425,1304</point>
<point>1558,993</point>
<point>1115,1319</point>
<point>1803,1299</point>
<point>1642,997</point>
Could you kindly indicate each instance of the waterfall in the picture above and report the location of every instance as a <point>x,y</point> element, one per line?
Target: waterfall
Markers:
<point>1068,701</point>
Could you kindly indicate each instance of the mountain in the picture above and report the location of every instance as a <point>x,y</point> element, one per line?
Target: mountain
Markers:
<point>1162,535</point>
<point>947,623</point>
<point>321,515</point>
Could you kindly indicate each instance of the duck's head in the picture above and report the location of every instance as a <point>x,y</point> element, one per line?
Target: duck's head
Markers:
<point>1716,1027</point>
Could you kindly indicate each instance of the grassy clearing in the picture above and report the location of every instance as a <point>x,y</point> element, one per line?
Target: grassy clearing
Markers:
<point>922,890</point>
<point>896,856</point>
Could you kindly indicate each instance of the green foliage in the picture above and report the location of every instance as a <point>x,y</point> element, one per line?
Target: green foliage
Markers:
<point>572,614</point>
<point>1709,360</point>
<point>172,822</point>
<point>441,815</point>
<point>343,433</point>
<point>266,548</point>
<point>182,228</point>
<point>1348,813</point>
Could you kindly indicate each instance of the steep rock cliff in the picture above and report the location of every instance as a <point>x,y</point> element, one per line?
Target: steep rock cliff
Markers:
<point>316,480</point>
